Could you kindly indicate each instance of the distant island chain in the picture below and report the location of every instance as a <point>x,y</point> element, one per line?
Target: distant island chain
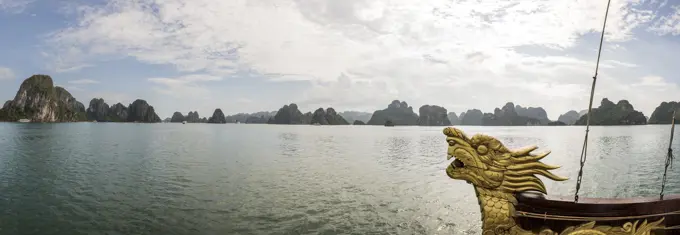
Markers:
<point>38,100</point>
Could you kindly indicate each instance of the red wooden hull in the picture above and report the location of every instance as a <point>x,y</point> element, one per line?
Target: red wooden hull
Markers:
<point>535,211</point>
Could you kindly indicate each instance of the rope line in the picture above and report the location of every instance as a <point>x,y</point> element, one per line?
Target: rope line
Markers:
<point>590,107</point>
<point>669,157</point>
<point>672,227</point>
<point>595,218</point>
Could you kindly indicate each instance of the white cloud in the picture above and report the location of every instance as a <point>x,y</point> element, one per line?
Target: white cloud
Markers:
<point>83,81</point>
<point>653,81</point>
<point>243,101</point>
<point>6,73</point>
<point>323,38</point>
<point>668,24</point>
<point>188,86</point>
<point>14,6</point>
<point>70,68</point>
<point>366,53</point>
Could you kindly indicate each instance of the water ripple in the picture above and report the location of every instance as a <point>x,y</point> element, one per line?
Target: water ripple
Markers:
<point>110,178</point>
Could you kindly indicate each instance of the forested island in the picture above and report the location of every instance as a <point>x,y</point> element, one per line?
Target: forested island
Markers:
<point>38,100</point>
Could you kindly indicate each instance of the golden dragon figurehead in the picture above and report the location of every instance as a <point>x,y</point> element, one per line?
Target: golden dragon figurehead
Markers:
<point>484,162</point>
<point>497,173</point>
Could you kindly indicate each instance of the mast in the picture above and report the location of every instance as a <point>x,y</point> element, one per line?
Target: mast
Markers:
<point>669,157</point>
<point>590,107</point>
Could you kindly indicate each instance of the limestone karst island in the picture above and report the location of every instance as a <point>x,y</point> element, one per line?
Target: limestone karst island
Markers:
<point>38,100</point>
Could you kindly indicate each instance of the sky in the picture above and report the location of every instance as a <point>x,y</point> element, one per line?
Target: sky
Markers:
<point>257,55</point>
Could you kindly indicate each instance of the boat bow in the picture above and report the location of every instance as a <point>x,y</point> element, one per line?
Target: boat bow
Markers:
<point>512,199</point>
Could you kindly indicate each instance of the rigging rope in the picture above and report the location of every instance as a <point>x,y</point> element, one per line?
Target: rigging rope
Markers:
<point>590,218</point>
<point>669,157</point>
<point>590,108</point>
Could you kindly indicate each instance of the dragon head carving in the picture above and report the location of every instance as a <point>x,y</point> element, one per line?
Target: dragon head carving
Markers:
<point>485,162</point>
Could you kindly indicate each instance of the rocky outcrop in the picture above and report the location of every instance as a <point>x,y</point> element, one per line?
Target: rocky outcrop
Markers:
<point>508,116</point>
<point>663,114</point>
<point>98,110</point>
<point>236,118</point>
<point>141,111</point>
<point>64,96</point>
<point>534,113</point>
<point>138,111</point>
<point>39,101</point>
<point>352,116</point>
<point>327,117</point>
<point>118,113</point>
<point>251,117</point>
<point>217,117</point>
<point>70,108</point>
<point>453,118</point>
<point>432,115</point>
<point>472,117</point>
<point>621,113</point>
<point>177,117</point>
<point>260,117</point>
<point>399,113</point>
<point>358,122</point>
<point>489,119</point>
<point>192,117</point>
<point>569,118</point>
<point>257,119</point>
<point>307,118</point>
<point>557,123</point>
<point>290,114</point>
<point>7,103</point>
<point>319,117</point>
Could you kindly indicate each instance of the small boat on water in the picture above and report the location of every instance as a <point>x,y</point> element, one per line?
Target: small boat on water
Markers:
<point>389,123</point>
<point>184,122</point>
<point>24,120</point>
<point>513,200</point>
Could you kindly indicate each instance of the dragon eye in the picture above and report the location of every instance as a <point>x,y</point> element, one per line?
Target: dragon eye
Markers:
<point>482,149</point>
<point>451,142</point>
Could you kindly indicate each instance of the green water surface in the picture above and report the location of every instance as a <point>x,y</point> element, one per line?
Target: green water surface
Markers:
<point>116,178</point>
